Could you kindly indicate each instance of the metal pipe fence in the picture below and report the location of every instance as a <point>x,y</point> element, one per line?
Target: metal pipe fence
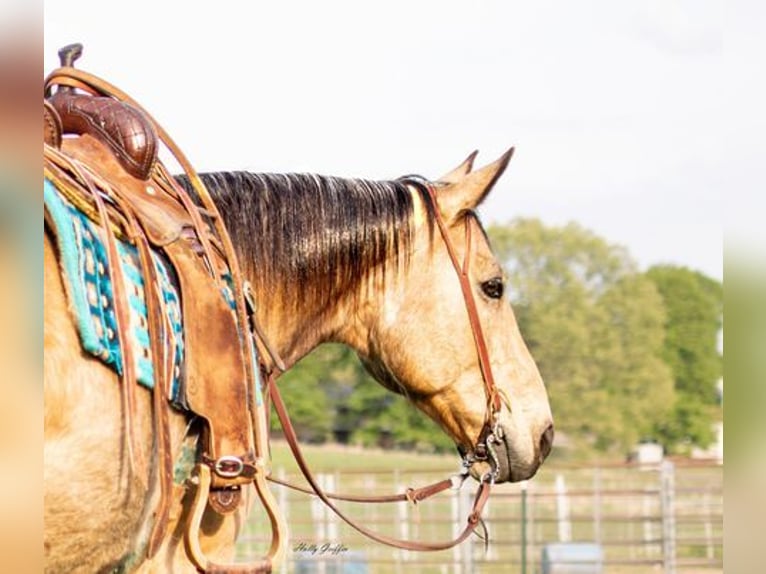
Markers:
<point>666,518</point>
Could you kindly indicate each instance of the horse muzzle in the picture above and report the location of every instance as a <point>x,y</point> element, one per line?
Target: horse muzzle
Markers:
<point>509,458</point>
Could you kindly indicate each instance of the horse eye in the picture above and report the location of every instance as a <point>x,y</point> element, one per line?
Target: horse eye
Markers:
<point>493,288</point>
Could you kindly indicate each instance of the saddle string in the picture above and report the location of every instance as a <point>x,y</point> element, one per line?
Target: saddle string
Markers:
<point>136,461</point>
<point>156,327</point>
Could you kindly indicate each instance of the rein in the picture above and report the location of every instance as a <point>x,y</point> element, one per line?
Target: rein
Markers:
<point>482,451</point>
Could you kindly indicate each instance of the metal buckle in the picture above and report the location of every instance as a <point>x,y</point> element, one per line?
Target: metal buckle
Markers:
<point>229,466</point>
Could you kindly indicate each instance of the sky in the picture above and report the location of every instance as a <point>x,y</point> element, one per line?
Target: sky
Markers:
<point>618,110</point>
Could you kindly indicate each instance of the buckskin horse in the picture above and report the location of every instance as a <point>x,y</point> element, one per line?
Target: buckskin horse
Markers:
<point>401,271</point>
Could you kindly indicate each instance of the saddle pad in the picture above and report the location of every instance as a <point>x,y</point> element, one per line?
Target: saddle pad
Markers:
<point>85,270</point>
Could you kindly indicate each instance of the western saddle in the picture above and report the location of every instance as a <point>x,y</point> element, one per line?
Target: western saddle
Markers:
<point>108,167</point>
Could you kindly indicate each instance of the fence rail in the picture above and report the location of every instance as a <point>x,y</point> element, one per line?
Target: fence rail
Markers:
<point>665,518</point>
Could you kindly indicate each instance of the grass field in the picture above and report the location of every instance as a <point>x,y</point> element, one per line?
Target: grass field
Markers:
<point>619,506</point>
<point>332,458</point>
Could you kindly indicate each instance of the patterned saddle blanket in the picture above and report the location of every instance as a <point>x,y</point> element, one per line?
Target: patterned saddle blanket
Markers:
<point>85,268</point>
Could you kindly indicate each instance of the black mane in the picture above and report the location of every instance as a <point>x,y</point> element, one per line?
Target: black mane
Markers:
<point>320,235</point>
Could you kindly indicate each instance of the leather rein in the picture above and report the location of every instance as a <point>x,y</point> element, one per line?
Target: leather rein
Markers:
<point>483,450</point>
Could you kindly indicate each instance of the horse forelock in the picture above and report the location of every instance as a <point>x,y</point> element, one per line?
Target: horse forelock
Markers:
<point>320,235</point>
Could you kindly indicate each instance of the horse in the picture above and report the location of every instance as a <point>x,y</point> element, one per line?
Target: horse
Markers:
<point>351,261</point>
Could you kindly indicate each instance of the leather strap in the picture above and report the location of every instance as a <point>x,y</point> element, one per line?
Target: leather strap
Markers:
<point>413,495</point>
<point>158,330</point>
<point>136,458</point>
<point>493,396</point>
<point>472,521</point>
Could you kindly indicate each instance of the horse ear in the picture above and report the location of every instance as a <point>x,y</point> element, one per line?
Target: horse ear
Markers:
<point>467,193</point>
<point>460,171</point>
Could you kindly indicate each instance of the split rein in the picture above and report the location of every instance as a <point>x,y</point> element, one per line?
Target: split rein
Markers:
<point>483,451</point>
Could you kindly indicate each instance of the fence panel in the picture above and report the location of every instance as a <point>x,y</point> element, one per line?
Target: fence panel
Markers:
<point>642,518</point>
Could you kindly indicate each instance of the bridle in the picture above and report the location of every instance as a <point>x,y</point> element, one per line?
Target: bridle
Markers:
<point>483,450</point>
<point>491,432</point>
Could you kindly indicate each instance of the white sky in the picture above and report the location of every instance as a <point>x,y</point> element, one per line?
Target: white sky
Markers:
<point>617,109</point>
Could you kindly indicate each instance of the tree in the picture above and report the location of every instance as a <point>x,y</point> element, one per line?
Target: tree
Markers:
<point>304,389</point>
<point>382,418</point>
<point>694,307</point>
<point>595,327</point>
<point>330,395</point>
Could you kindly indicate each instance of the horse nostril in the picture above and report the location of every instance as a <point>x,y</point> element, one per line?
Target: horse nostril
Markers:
<point>546,443</point>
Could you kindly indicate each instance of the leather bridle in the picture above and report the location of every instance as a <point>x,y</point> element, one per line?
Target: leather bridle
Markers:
<point>483,450</point>
<point>491,432</point>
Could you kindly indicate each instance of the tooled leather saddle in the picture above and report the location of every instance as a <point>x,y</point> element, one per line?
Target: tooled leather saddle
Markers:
<point>101,153</point>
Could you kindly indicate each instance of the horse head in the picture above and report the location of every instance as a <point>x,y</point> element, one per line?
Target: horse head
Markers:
<point>377,265</point>
<point>421,343</point>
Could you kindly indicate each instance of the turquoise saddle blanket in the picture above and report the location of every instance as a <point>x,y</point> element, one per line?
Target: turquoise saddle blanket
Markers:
<point>86,272</point>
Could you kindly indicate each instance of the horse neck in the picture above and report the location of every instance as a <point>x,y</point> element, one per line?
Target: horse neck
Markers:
<point>311,246</point>
<point>294,331</point>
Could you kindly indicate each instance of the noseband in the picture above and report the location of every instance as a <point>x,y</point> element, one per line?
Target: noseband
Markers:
<point>491,433</point>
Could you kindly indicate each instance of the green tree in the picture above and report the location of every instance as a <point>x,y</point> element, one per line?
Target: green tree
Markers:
<point>694,307</point>
<point>595,328</point>
<point>330,395</point>
<point>307,389</point>
<point>382,418</point>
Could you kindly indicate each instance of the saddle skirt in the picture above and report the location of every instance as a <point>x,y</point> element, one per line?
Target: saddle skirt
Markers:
<point>85,269</point>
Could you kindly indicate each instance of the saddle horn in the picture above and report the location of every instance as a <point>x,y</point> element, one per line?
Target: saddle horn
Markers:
<point>69,54</point>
